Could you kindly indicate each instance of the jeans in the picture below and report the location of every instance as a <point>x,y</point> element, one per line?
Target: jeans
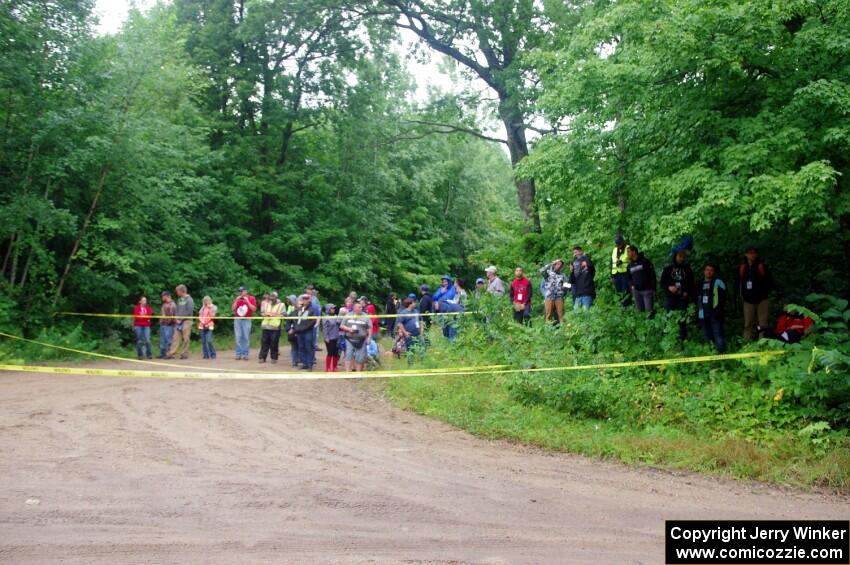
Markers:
<point>713,330</point>
<point>207,344</point>
<point>450,331</point>
<point>306,350</point>
<point>293,349</point>
<point>582,303</point>
<point>242,330</point>
<point>143,337</point>
<point>391,326</point>
<point>621,286</point>
<point>166,334</point>
<point>644,300</point>
<point>270,343</point>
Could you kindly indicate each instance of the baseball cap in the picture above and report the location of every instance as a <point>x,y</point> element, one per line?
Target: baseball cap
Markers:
<point>411,295</point>
<point>619,238</point>
<point>490,269</point>
<point>243,287</point>
<point>424,287</point>
<point>479,280</point>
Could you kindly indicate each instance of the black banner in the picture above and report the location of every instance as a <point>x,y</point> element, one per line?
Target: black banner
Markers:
<point>754,542</point>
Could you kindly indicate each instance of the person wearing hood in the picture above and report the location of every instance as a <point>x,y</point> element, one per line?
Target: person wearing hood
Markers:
<point>582,273</point>
<point>677,283</point>
<point>642,281</point>
<point>455,306</point>
<point>445,292</point>
<point>554,289</point>
<point>330,331</point>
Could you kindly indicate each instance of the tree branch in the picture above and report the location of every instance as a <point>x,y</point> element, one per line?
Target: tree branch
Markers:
<point>452,128</point>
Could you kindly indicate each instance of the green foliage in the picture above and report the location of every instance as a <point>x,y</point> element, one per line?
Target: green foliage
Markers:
<point>796,405</point>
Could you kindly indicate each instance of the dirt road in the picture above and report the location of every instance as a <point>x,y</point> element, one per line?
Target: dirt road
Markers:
<point>109,470</point>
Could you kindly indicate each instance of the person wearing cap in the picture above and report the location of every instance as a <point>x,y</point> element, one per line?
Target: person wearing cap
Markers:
<point>620,268</point>
<point>754,282</point>
<point>554,289</point>
<point>370,309</point>
<point>409,327</point>
<point>142,327</point>
<point>581,281</point>
<point>358,334</point>
<point>495,286</point>
<point>185,308</point>
<point>480,285</point>
<point>677,283</point>
<point>330,331</point>
<point>243,308</point>
<point>392,309</point>
<point>521,297</point>
<point>642,281</point>
<point>272,320</point>
<point>307,320</point>
<point>426,304</point>
<point>166,324</point>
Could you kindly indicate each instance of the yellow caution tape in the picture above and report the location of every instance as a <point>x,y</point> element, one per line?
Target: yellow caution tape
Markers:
<point>179,366</point>
<point>261,318</point>
<point>217,375</point>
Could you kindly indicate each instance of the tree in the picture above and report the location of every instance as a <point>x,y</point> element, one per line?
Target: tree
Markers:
<point>488,39</point>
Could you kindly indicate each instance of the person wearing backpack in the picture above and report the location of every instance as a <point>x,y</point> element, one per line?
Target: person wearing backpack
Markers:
<point>677,283</point>
<point>754,283</point>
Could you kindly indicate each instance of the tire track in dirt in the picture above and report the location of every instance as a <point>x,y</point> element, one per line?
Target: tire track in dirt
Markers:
<point>158,471</point>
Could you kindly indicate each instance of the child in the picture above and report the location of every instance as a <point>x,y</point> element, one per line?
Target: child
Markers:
<point>206,324</point>
<point>711,301</point>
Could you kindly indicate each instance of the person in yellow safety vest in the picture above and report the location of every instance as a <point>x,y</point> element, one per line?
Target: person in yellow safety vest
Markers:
<point>620,268</point>
<point>271,328</point>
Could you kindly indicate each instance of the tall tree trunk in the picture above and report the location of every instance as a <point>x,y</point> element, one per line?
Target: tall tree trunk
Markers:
<point>98,191</point>
<point>36,237</point>
<point>526,190</point>
<point>9,252</point>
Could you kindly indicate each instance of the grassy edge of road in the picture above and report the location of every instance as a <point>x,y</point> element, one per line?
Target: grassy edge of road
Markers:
<point>483,406</point>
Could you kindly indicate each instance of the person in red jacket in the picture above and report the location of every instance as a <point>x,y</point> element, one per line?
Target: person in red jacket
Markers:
<point>521,297</point>
<point>142,326</point>
<point>791,326</point>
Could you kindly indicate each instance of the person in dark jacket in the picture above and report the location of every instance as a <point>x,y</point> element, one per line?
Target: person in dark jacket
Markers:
<point>426,304</point>
<point>391,308</point>
<point>753,282</point>
<point>711,302</point>
<point>303,329</point>
<point>677,284</point>
<point>581,280</point>
<point>642,281</point>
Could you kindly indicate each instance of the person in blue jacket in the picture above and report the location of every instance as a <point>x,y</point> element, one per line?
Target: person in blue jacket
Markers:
<point>446,291</point>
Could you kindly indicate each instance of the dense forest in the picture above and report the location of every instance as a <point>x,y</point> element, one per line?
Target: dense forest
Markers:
<point>278,143</point>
